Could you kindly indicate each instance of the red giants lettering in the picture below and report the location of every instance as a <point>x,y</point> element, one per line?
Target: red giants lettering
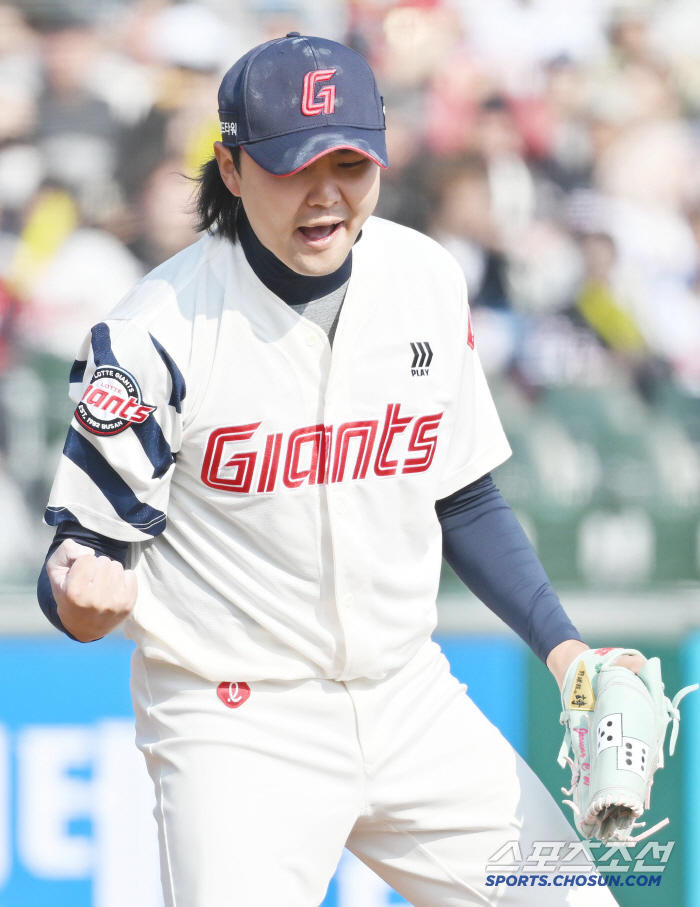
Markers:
<point>243,464</point>
<point>112,402</point>
<point>271,461</point>
<point>311,105</point>
<point>366,432</point>
<point>316,454</point>
<point>294,473</point>
<point>99,398</point>
<point>328,449</point>
<point>419,443</point>
<point>393,425</point>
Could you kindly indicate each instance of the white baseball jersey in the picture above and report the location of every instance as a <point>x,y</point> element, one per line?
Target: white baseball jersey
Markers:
<point>280,497</point>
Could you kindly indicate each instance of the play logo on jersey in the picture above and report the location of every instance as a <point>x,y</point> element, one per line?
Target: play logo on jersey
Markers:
<point>112,402</point>
<point>233,694</point>
<point>422,357</point>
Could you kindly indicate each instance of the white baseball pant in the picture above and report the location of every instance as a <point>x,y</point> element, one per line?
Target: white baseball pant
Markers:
<point>255,804</point>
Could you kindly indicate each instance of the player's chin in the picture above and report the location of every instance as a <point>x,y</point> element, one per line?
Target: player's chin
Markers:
<point>316,257</point>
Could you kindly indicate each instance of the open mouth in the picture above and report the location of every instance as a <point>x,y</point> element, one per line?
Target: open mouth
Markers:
<point>323,231</point>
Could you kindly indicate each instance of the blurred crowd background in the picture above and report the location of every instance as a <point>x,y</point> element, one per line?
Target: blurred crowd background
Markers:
<point>553,146</point>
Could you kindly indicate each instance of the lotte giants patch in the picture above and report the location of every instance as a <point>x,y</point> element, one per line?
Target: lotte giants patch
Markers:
<point>233,694</point>
<point>112,402</point>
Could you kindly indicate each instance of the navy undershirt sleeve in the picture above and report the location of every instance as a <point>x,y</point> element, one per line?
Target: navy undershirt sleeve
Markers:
<point>70,529</point>
<point>488,550</point>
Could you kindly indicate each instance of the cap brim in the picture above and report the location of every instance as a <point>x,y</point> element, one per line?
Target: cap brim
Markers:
<point>284,155</point>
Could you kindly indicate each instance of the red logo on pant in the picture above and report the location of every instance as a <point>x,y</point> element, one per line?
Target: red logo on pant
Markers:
<point>233,694</point>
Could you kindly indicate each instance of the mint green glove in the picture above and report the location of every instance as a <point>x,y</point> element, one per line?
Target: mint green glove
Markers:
<point>616,725</point>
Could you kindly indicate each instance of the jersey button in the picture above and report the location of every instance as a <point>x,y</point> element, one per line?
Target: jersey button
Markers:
<point>348,601</point>
<point>310,339</point>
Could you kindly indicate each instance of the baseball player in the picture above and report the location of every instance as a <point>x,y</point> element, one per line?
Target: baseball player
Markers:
<point>277,433</point>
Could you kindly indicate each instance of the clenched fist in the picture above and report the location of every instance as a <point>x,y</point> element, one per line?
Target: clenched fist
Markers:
<point>94,594</point>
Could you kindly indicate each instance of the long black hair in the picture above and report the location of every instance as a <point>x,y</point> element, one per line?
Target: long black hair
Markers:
<point>215,206</point>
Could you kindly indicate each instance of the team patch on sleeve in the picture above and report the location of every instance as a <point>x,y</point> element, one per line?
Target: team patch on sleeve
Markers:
<point>112,402</point>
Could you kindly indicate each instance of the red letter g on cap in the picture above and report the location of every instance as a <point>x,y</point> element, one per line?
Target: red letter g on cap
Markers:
<point>311,105</point>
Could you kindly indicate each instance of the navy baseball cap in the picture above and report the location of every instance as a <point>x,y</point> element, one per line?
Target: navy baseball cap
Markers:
<point>291,100</point>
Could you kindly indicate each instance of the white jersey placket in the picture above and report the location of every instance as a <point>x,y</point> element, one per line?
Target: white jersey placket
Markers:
<point>357,307</point>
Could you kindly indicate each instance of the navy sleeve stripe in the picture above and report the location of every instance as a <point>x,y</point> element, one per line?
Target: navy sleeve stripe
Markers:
<point>102,345</point>
<point>149,433</point>
<point>155,446</point>
<point>179,389</point>
<point>56,515</point>
<point>141,516</point>
<point>78,371</point>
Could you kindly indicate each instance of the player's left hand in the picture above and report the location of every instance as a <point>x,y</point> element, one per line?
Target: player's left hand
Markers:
<point>563,656</point>
<point>616,722</point>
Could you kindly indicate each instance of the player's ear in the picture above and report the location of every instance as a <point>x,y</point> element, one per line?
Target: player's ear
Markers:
<point>227,168</point>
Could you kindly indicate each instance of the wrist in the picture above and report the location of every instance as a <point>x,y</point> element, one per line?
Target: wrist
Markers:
<point>562,657</point>
<point>79,630</point>
<point>85,625</point>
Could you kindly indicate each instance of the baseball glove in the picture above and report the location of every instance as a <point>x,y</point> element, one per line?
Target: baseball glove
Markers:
<point>616,725</point>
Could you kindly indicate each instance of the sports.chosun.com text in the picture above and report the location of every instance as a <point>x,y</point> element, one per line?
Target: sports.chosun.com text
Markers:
<point>561,881</point>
